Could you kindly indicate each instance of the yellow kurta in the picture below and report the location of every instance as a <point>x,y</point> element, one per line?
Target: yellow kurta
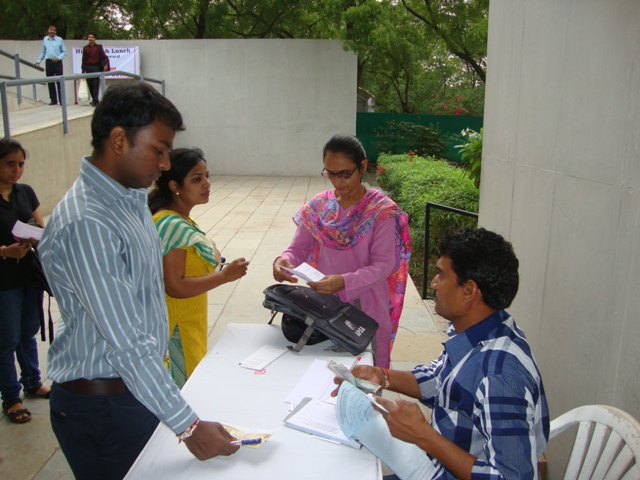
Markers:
<point>190,314</point>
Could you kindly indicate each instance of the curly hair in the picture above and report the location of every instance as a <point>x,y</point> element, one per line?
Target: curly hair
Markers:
<point>486,258</point>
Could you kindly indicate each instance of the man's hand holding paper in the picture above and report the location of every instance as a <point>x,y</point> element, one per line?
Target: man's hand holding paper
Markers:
<point>405,419</point>
<point>364,372</point>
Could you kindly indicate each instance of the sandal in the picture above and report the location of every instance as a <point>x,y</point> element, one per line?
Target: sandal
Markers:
<point>33,392</point>
<point>14,414</point>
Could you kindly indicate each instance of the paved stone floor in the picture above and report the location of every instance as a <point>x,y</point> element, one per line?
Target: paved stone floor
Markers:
<point>247,217</point>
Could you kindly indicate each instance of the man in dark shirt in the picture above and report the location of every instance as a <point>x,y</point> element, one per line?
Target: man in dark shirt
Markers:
<point>94,60</point>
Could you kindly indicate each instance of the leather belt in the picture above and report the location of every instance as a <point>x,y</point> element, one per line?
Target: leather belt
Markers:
<point>97,386</point>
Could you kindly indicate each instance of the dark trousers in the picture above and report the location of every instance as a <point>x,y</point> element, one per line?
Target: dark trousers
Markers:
<point>19,324</point>
<point>93,83</point>
<point>100,435</point>
<point>53,70</point>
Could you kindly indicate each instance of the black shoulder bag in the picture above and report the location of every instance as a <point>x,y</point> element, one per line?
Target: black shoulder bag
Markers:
<point>43,284</point>
<point>310,317</point>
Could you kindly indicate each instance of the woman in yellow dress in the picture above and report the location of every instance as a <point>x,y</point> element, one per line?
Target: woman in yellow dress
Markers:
<point>191,262</point>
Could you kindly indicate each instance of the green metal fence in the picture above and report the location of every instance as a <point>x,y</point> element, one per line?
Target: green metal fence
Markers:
<point>367,122</point>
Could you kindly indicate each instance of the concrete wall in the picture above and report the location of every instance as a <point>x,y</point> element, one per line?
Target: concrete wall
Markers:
<point>256,107</point>
<point>53,160</point>
<point>561,178</point>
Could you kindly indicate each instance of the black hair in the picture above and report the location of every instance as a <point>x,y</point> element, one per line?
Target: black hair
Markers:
<point>182,162</point>
<point>486,258</point>
<point>91,33</point>
<point>131,105</point>
<point>347,145</point>
<point>9,145</point>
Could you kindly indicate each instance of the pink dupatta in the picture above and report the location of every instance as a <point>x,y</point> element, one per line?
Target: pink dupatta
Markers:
<point>320,217</point>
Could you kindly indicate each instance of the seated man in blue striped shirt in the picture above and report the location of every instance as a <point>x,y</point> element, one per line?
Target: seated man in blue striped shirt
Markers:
<point>102,255</point>
<point>489,412</point>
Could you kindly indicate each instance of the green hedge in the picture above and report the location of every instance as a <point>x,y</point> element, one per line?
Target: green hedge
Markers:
<point>413,181</point>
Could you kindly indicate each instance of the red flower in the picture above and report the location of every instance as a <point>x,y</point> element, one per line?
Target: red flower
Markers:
<point>459,111</point>
<point>411,154</point>
<point>381,170</point>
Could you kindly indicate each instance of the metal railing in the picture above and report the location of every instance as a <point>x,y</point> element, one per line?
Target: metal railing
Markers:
<point>427,232</point>
<point>17,61</point>
<point>63,95</point>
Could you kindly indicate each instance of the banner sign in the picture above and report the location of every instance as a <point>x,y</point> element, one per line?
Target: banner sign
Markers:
<point>120,58</point>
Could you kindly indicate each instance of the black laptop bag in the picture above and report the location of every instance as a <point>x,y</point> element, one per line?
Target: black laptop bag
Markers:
<point>310,317</point>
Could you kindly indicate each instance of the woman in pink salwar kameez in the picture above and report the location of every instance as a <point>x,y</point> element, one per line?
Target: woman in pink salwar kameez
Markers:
<point>358,237</point>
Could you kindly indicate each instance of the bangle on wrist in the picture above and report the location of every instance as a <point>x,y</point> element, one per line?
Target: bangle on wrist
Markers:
<point>2,249</point>
<point>387,377</point>
<point>188,432</point>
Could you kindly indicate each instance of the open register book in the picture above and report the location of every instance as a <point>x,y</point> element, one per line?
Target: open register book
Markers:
<point>360,421</point>
<point>318,418</point>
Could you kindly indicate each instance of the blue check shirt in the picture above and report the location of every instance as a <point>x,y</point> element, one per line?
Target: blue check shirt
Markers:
<point>487,397</point>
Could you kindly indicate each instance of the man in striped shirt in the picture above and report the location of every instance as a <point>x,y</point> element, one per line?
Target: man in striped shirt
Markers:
<point>489,412</point>
<point>102,255</point>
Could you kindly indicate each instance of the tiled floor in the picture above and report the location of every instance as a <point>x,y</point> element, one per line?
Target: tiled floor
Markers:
<point>247,217</point>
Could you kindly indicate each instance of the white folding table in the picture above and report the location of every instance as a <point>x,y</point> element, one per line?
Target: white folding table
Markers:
<point>220,390</point>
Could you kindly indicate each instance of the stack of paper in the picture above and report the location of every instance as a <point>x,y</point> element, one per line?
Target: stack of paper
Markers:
<point>318,418</point>
<point>360,421</point>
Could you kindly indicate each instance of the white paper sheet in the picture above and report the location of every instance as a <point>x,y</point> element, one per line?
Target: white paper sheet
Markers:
<point>262,357</point>
<point>359,420</point>
<point>26,231</point>
<point>317,382</point>
<point>306,272</point>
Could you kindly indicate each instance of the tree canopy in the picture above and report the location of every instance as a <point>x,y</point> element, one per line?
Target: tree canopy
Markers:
<point>422,56</point>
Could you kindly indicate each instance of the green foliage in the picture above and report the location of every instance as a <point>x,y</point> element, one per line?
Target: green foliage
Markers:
<point>462,25</point>
<point>414,56</point>
<point>412,181</point>
<point>472,154</point>
<point>399,137</point>
<point>30,19</point>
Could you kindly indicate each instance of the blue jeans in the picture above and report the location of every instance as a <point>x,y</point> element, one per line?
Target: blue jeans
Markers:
<point>19,324</point>
<point>100,435</point>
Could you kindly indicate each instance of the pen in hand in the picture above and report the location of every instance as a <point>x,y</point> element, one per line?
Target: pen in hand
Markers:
<point>355,363</point>
<point>248,441</point>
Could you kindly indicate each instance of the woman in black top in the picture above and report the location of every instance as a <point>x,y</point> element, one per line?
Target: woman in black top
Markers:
<point>20,296</point>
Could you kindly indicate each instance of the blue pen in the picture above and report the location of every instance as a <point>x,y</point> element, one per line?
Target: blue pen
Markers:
<point>249,441</point>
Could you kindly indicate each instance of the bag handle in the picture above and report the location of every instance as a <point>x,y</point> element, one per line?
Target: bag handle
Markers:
<point>305,336</point>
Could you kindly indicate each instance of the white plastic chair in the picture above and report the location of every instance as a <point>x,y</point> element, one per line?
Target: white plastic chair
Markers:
<point>607,445</point>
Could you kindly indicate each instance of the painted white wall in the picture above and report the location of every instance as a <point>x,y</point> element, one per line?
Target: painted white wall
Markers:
<point>561,180</point>
<point>256,107</point>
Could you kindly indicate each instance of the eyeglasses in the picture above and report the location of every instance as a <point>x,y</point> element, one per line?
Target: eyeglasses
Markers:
<point>342,174</point>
